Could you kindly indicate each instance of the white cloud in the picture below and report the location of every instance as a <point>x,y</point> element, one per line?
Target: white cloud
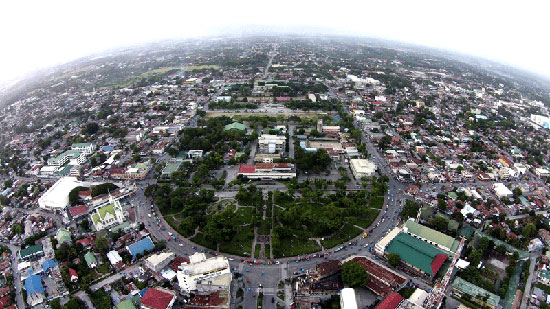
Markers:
<point>37,34</point>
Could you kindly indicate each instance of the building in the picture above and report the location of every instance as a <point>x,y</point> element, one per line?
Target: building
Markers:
<point>347,299</point>
<point>63,236</point>
<point>476,294</point>
<point>90,259</point>
<point>125,304</point>
<point>77,157</point>
<point>235,126</point>
<point>362,168</point>
<point>268,143</point>
<point>31,252</point>
<point>194,154</point>
<point>541,120</point>
<point>171,166</point>
<point>267,171</point>
<point>73,275</point>
<point>87,148</point>
<point>421,257</point>
<point>502,191</point>
<point>108,215</point>
<point>57,197</point>
<point>157,262</point>
<point>158,298</point>
<point>392,301</point>
<point>205,275</point>
<point>332,130</point>
<point>141,246</point>
<point>381,280</point>
<point>35,290</point>
<point>114,258</point>
<point>431,236</point>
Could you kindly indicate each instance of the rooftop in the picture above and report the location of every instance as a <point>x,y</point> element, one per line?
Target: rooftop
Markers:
<point>417,253</point>
<point>475,291</point>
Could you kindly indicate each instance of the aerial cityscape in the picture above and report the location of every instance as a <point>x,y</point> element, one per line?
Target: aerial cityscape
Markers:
<point>275,172</point>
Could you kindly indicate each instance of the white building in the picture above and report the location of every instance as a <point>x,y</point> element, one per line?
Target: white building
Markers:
<point>362,168</point>
<point>213,273</point>
<point>57,196</point>
<point>86,148</point>
<point>107,215</point>
<point>347,299</point>
<point>114,257</point>
<point>268,143</point>
<point>541,120</point>
<point>312,97</point>
<point>542,172</point>
<point>501,190</point>
<point>157,262</point>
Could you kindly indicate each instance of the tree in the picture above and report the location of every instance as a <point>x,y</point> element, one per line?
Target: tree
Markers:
<point>475,257</point>
<point>529,230</point>
<point>354,275</point>
<point>394,259</point>
<point>102,244</point>
<point>91,128</point>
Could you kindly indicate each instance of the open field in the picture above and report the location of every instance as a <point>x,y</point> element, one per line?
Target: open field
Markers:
<point>201,67</point>
<point>301,114</point>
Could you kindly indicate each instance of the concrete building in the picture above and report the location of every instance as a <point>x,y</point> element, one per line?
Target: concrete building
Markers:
<point>501,190</point>
<point>78,157</point>
<point>267,171</point>
<point>268,143</point>
<point>35,290</point>
<point>87,148</point>
<point>158,261</point>
<point>362,168</point>
<point>347,299</point>
<point>108,215</point>
<point>57,196</point>
<point>207,274</point>
<point>158,298</point>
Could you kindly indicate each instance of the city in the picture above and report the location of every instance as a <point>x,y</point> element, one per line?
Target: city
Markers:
<point>275,172</point>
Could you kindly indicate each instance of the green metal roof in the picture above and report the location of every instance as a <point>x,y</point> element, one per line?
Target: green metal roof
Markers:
<point>414,251</point>
<point>235,125</point>
<point>431,235</point>
<point>63,236</point>
<point>30,251</point>
<point>126,304</point>
<point>90,258</point>
<point>475,291</point>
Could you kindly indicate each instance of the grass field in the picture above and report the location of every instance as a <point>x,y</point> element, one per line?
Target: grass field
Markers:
<point>295,247</point>
<point>201,67</point>
<point>347,232</point>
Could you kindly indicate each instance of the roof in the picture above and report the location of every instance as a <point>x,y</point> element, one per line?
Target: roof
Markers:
<point>246,168</point>
<point>78,210</point>
<point>73,273</point>
<point>90,258</point>
<point>33,284</point>
<point>390,302</point>
<point>58,195</point>
<point>63,236</point>
<point>30,251</point>
<point>157,259</point>
<point>126,304</point>
<point>475,291</point>
<point>417,253</point>
<point>348,298</point>
<point>157,298</point>
<point>139,247</point>
<point>431,235</point>
<point>47,265</point>
<point>235,125</point>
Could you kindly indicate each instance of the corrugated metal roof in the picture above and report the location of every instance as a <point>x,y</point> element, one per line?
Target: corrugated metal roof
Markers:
<point>475,291</point>
<point>431,235</point>
<point>416,252</point>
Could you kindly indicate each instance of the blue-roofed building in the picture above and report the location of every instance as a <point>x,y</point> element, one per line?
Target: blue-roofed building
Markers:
<point>35,290</point>
<point>107,148</point>
<point>47,265</point>
<point>142,292</point>
<point>140,247</point>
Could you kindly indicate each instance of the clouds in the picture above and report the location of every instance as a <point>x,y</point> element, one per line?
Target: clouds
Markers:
<point>37,34</point>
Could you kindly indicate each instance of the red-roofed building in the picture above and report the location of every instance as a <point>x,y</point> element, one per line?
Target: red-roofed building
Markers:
<point>78,211</point>
<point>5,302</point>
<point>382,280</point>
<point>246,169</point>
<point>177,261</point>
<point>86,242</point>
<point>438,262</point>
<point>73,275</point>
<point>391,302</point>
<point>157,298</point>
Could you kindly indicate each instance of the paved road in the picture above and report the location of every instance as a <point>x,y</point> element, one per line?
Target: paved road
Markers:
<point>16,275</point>
<point>85,298</point>
<point>527,293</point>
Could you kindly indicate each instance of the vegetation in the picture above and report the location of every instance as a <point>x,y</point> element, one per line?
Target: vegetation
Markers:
<point>394,259</point>
<point>354,275</point>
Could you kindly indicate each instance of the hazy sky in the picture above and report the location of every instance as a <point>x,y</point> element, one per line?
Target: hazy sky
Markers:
<point>38,34</point>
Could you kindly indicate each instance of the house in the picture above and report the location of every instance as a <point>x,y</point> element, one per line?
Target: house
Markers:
<point>141,246</point>
<point>63,236</point>
<point>73,275</point>
<point>157,262</point>
<point>35,290</point>
<point>235,126</point>
<point>158,298</point>
<point>91,261</point>
<point>31,252</point>
<point>391,302</point>
<point>108,215</point>
<point>125,304</point>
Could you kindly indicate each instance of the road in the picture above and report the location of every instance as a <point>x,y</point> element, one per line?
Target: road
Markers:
<point>527,294</point>
<point>16,275</point>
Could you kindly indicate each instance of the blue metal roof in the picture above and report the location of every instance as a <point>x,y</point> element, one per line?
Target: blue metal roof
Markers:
<point>33,285</point>
<point>47,265</point>
<point>139,247</point>
<point>142,292</point>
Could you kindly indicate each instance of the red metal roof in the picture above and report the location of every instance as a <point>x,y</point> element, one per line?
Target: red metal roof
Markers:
<point>78,210</point>
<point>245,169</point>
<point>157,299</point>
<point>73,273</point>
<point>390,302</point>
<point>438,262</point>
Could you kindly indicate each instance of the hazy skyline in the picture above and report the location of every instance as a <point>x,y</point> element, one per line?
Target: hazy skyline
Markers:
<point>39,34</point>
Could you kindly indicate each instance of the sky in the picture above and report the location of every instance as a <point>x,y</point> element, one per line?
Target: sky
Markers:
<point>41,34</point>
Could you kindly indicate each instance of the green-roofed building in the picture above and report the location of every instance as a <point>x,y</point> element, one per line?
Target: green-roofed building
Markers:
<point>436,238</point>
<point>91,261</point>
<point>30,252</point>
<point>63,236</point>
<point>235,126</point>
<point>478,295</point>
<point>419,255</point>
<point>107,215</point>
<point>126,304</point>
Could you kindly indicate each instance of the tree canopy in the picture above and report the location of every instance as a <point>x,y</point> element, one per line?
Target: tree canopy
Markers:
<point>354,275</point>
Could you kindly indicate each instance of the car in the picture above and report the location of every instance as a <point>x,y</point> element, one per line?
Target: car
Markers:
<point>181,245</point>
